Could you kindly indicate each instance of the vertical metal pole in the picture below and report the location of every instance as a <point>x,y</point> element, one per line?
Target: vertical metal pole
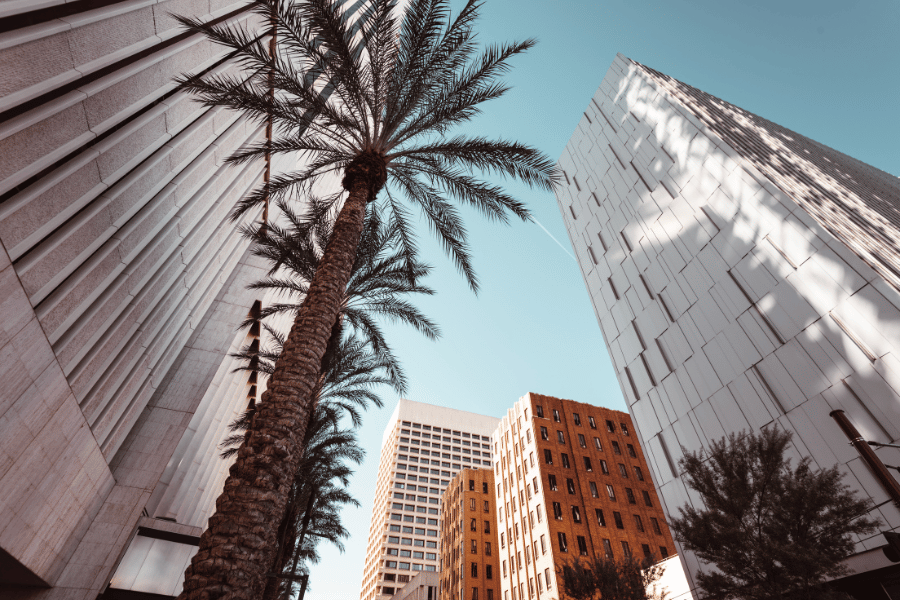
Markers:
<point>881,473</point>
<point>305,580</point>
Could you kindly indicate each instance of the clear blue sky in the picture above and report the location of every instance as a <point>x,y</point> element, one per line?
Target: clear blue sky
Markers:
<point>826,69</point>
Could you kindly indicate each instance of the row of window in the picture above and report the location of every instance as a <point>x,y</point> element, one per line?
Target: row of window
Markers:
<point>531,586</point>
<point>610,490</point>
<point>419,520</point>
<point>411,508</point>
<point>473,436</point>
<point>423,469</point>
<point>582,441</point>
<point>437,446</point>
<point>576,418</point>
<point>404,541</point>
<point>437,442</point>
<point>489,594</point>
<point>607,547</point>
<point>439,463</point>
<point>413,488</point>
<point>411,554</point>
<point>423,479</point>
<point>405,566</point>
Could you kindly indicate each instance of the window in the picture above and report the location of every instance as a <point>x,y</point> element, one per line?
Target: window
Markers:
<point>563,545</point>
<point>581,440</point>
<point>471,503</point>
<point>638,523</point>
<point>597,444</point>
<point>616,448</point>
<point>655,525</point>
<point>624,428</point>
<point>502,540</point>
<point>471,485</point>
<point>504,569</point>
<point>630,493</point>
<point>551,481</point>
<point>548,457</point>
<point>474,569</point>
<point>577,418</point>
<point>608,548</point>
<point>592,423</point>
<point>484,487</point>
<point>646,549</point>
<point>646,495</point>
<point>623,471</point>
<point>626,548</point>
<point>664,552</point>
<point>488,572</point>
<point>556,415</point>
<point>638,473</point>
<point>539,410</point>
<point>565,460</point>
<point>543,545</point>
<point>604,467</point>
<point>570,486</point>
<point>582,545</point>
<point>487,526</point>
<point>545,435</point>
<point>576,514</point>
<point>487,507</point>
<point>473,525</point>
<point>631,451</point>
<point>611,492</point>
<point>474,547</point>
<point>610,427</point>
<point>539,583</point>
<point>557,511</point>
<point>617,517</point>
<point>594,493</point>
<point>474,593</point>
<point>601,520</point>
<point>487,548</point>
<point>560,437</point>
<point>538,510</point>
<point>587,464</point>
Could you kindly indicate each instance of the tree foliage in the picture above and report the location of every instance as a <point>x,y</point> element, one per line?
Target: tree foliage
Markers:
<point>770,530</point>
<point>609,578</point>
<point>385,79</point>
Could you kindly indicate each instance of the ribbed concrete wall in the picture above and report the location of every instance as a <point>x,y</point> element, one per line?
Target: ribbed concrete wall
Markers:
<point>742,277</point>
<point>121,279</point>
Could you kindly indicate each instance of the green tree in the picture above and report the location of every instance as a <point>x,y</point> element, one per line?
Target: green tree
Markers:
<point>609,578</point>
<point>371,100</point>
<point>771,531</point>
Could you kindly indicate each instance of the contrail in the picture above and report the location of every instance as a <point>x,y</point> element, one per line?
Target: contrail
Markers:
<point>554,239</point>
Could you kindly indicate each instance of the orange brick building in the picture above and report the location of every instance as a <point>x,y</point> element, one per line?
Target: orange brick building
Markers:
<point>571,480</point>
<point>469,550</point>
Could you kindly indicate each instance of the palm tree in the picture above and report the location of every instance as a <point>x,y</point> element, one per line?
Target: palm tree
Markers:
<point>372,102</point>
<point>381,280</point>
<point>318,491</point>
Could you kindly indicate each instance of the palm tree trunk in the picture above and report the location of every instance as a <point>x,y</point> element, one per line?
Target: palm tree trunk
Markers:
<point>238,548</point>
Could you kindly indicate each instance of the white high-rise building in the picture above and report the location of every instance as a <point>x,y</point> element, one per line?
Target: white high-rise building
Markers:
<point>423,447</point>
<point>743,276</point>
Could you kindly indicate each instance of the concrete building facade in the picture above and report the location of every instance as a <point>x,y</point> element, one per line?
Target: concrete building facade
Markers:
<point>571,481</point>
<point>122,283</point>
<point>743,276</point>
<point>469,551</point>
<point>423,448</point>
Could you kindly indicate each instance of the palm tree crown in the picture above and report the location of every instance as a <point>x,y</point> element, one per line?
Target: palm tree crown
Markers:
<point>375,98</point>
